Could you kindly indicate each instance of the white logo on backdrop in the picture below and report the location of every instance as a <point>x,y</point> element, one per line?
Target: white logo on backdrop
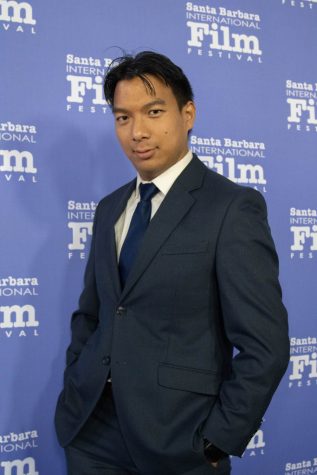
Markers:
<point>18,286</point>
<point>308,4</point>
<point>303,362</point>
<point>304,467</point>
<point>239,160</point>
<point>10,132</point>
<point>302,106</point>
<point>218,32</point>
<point>19,320</point>
<point>18,316</point>
<point>303,227</point>
<point>17,15</point>
<point>256,445</point>
<point>19,467</point>
<point>80,217</point>
<point>14,442</point>
<point>85,83</point>
<point>18,165</point>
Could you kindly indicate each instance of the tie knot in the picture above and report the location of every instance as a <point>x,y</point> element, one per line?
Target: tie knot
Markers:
<point>147,191</point>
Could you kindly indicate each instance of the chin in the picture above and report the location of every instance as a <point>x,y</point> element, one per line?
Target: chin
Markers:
<point>146,169</point>
<point>147,174</point>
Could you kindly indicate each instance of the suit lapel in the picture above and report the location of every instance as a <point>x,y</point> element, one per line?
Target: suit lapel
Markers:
<point>176,204</point>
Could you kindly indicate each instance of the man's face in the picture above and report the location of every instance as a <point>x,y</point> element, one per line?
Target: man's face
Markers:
<point>151,128</point>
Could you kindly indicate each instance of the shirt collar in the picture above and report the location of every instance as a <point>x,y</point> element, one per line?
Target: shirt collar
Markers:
<point>166,179</point>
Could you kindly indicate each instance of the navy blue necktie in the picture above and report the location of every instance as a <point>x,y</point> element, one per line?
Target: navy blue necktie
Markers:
<point>139,223</point>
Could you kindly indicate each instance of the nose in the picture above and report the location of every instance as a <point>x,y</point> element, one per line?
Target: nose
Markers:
<point>139,129</point>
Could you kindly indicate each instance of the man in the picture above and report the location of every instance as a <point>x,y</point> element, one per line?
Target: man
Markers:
<point>182,270</point>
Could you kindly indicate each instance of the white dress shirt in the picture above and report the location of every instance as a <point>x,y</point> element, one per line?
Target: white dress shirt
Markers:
<point>163,182</point>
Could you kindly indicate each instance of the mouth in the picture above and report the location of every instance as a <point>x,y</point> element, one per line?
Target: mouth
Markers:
<point>144,153</point>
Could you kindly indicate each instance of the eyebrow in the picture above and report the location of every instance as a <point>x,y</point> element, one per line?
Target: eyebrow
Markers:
<point>146,106</point>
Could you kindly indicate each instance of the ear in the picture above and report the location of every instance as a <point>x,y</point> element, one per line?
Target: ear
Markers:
<point>189,114</point>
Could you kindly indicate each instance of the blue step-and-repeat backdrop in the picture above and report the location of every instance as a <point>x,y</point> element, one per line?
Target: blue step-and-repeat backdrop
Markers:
<point>253,68</point>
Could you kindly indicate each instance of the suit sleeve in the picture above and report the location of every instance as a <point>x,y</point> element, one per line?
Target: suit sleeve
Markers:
<point>85,320</point>
<point>255,322</point>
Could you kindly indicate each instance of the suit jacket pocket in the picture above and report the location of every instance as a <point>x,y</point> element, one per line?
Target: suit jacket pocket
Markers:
<point>188,379</point>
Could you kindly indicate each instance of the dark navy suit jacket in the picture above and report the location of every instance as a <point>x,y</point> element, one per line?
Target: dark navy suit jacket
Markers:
<point>204,282</point>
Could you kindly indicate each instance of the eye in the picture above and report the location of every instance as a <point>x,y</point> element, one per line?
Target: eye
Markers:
<point>121,119</point>
<point>155,112</point>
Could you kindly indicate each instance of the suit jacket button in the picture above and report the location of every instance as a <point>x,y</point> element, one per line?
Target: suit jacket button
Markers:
<point>106,360</point>
<point>120,311</point>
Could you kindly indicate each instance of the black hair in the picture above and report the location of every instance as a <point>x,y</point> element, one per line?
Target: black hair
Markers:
<point>148,63</point>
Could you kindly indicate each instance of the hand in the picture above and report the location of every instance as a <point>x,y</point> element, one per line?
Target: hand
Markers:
<point>214,464</point>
